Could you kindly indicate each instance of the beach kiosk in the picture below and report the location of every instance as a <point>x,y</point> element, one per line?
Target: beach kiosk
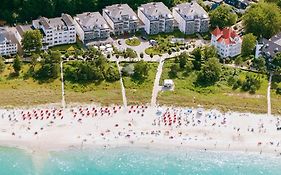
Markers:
<point>168,83</point>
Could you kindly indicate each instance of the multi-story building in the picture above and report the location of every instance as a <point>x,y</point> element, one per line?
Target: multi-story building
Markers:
<point>91,26</point>
<point>227,42</point>
<point>56,31</point>
<point>8,42</point>
<point>191,18</point>
<point>156,18</point>
<point>121,18</point>
<point>269,47</point>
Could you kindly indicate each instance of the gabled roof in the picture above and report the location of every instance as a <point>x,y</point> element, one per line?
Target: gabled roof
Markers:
<point>226,35</point>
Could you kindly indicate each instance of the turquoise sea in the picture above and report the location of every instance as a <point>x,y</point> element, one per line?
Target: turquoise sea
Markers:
<point>135,161</point>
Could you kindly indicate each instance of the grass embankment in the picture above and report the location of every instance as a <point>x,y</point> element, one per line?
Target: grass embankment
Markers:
<point>140,92</point>
<point>21,91</point>
<point>220,95</point>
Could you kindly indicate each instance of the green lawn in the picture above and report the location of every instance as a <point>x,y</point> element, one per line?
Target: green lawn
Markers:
<point>66,47</point>
<point>133,41</point>
<point>140,92</point>
<point>219,96</point>
<point>20,91</point>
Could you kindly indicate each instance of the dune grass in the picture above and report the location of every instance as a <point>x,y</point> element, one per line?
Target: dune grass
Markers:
<point>219,96</point>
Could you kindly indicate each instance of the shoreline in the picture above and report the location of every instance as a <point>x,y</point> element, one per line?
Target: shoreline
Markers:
<point>81,127</point>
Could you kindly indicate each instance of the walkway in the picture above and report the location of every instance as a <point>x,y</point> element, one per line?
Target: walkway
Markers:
<point>268,96</point>
<point>62,86</point>
<point>122,87</point>
<point>156,86</point>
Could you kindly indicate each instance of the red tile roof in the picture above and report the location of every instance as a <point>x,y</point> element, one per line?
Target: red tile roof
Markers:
<point>225,35</point>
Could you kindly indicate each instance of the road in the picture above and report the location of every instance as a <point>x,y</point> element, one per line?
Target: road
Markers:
<point>268,96</point>
<point>156,86</point>
<point>122,87</point>
<point>62,86</point>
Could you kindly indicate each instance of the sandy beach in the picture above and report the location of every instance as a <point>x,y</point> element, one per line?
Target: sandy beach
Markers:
<point>88,126</point>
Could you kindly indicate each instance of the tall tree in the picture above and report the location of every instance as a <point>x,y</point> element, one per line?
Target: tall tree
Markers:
<point>2,65</point>
<point>277,62</point>
<point>263,19</point>
<point>141,70</point>
<point>17,65</point>
<point>248,44</point>
<point>222,17</point>
<point>197,55</point>
<point>32,40</point>
<point>210,72</point>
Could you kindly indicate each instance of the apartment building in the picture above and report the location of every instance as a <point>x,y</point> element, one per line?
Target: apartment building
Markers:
<point>156,18</point>
<point>121,18</point>
<point>91,26</point>
<point>191,18</point>
<point>8,42</point>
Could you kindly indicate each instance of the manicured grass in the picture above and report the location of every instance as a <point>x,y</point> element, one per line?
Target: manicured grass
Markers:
<point>133,41</point>
<point>153,51</point>
<point>140,92</point>
<point>219,96</point>
<point>175,33</point>
<point>68,47</point>
<point>19,91</point>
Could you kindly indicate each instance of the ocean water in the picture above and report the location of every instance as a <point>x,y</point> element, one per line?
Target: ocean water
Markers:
<point>137,161</point>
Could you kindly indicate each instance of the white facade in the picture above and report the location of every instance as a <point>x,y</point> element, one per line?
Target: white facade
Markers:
<point>8,45</point>
<point>91,26</point>
<point>156,18</point>
<point>56,31</point>
<point>191,18</point>
<point>121,19</point>
<point>227,42</point>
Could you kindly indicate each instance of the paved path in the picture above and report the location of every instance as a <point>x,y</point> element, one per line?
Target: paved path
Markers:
<point>122,87</point>
<point>62,86</point>
<point>156,86</point>
<point>268,96</point>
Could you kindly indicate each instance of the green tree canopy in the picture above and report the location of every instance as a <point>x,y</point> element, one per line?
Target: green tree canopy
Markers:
<point>259,64</point>
<point>2,64</point>
<point>263,19</point>
<point>277,62</point>
<point>248,44</point>
<point>32,40</point>
<point>210,72</point>
<point>197,55</point>
<point>141,70</point>
<point>222,17</point>
<point>17,65</point>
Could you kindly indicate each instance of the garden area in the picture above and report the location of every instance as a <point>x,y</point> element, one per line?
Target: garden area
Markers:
<point>139,90</point>
<point>133,41</point>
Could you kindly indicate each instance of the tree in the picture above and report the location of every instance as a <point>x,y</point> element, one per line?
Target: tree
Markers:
<point>251,84</point>
<point>197,55</point>
<point>141,70</point>
<point>174,70</point>
<point>32,40</point>
<point>112,74</point>
<point>238,61</point>
<point>263,19</point>
<point>210,72</point>
<point>259,64</point>
<point>17,65</point>
<point>2,65</point>
<point>248,44</point>
<point>130,53</point>
<point>277,62</point>
<point>209,52</point>
<point>222,17</point>
<point>183,60</point>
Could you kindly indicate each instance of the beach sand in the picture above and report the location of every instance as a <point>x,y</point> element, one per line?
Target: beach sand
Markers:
<point>46,129</point>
